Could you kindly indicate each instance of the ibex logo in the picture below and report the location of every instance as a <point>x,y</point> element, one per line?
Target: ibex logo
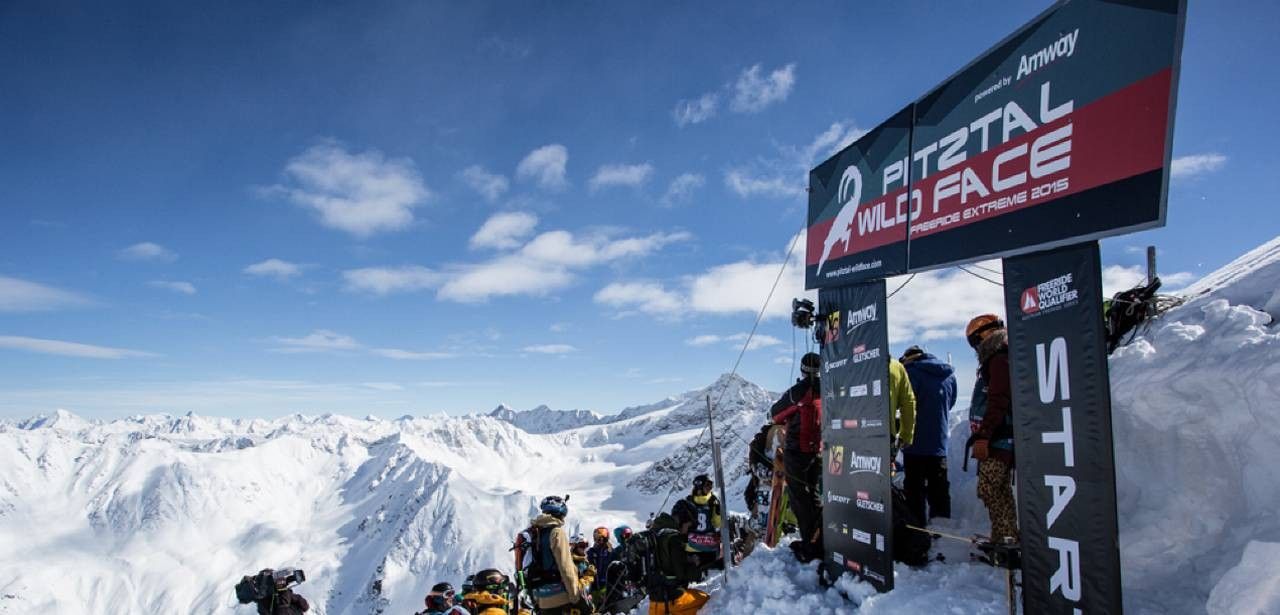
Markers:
<point>850,193</point>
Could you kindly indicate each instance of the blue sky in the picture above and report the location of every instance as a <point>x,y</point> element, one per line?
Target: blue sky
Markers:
<point>419,207</point>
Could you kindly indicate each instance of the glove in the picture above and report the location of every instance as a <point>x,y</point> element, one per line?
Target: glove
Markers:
<point>980,450</point>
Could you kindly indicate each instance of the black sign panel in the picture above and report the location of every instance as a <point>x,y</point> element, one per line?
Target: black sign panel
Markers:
<point>1059,134</point>
<point>1062,432</point>
<point>857,500</point>
<point>858,209</point>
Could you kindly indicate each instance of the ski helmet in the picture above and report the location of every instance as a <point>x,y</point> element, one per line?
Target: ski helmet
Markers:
<point>913,353</point>
<point>492,581</point>
<point>441,596</point>
<point>980,327</point>
<point>810,364</point>
<point>555,506</point>
<point>622,533</point>
<point>601,532</point>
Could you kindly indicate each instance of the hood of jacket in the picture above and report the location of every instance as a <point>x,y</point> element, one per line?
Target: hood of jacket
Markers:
<point>997,341</point>
<point>545,520</point>
<point>931,366</point>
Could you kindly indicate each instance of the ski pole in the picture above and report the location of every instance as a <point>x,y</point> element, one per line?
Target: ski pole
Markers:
<point>943,534</point>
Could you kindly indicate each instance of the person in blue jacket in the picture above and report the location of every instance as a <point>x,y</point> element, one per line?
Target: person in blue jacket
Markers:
<point>925,460</point>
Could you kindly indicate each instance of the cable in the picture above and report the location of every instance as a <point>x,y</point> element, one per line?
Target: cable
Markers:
<point>745,344</point>
<point>986,269</point>
<point>979,276</point>
<point>901,286</point>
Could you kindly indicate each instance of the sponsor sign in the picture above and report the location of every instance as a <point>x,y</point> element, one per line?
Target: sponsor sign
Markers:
<point>859,442</point>
<point>1059,134</point>
<point>1062,432</point>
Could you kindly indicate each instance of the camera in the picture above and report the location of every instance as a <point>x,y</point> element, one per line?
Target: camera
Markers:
<point>264,584</point>
<point>825,327</point>
<point>288,577</point>
<point>802,313</point>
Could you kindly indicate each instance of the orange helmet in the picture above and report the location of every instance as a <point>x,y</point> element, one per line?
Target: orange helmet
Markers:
<point>601,532</point>
<point>980,327</point>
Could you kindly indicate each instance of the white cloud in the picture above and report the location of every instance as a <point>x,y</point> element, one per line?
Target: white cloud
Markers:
<point>1186,167</point>
<point>786,175</point>
<point>550,349</point>
<point>632,175</point>
<point>387,280</point>
<point>1116,278</point>
<point>757,342</point>
<point>274,268</point>
<point>410,355</point>
<point>565,249</point>
<point>147,251</point>
<point>648,297</point>
<point>748,185</point>
<point>682,187</point>
<point>504,276</point>
<point>182,288</point>
<point>697,110</point>
<point>320,340</point>
<point>504,230</point>
<point>546,166</point>
<point>68,349</point>
<point>17,295</point>
<point>938,304</point>
<point>753,93</point>
<point>386,387</point>
<point>491,186</point>
<point>359,193</point>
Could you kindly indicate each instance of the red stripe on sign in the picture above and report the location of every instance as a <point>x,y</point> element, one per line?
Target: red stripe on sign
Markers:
<point>1114,138</point>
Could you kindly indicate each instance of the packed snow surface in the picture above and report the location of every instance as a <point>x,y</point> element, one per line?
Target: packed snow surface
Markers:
<point>163,514</point>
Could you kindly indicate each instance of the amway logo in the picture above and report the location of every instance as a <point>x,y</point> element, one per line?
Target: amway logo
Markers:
<point>1064,47</point>
<point>857,318</point>
<point>859,463</point>
<point>850,193</point>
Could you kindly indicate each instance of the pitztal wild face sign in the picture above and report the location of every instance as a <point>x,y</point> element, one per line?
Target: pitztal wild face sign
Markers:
<point>1059,134</point>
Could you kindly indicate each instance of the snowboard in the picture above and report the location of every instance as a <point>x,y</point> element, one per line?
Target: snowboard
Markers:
<point>777,506</point>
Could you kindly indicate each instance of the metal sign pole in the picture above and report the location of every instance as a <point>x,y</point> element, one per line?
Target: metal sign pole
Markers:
<point>725,545</point>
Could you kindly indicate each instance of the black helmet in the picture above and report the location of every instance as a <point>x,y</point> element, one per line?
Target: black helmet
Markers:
<point>912,353</point>
<point>555,506</point>
<point>491,580</point>
<point>810,364</point>
<point>701,481</point>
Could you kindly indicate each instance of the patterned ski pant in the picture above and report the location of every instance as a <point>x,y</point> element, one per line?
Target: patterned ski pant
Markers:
<point>996,491</point>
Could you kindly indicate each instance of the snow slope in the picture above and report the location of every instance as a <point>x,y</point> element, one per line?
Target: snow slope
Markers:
<point>162,514</point>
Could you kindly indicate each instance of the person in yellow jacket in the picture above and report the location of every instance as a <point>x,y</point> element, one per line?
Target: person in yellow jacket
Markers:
<point>490,593</point>
<point>902,406</point>
<point>546,562</point>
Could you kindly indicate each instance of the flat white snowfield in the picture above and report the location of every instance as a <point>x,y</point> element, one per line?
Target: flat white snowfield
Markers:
<point>163,514</point>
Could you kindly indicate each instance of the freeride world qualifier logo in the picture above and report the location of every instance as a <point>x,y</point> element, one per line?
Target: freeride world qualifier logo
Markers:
<point>1049,296</point>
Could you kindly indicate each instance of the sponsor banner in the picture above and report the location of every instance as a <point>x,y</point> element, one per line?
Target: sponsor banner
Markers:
<point>858,210</point>
<point>857,509</point>
<point>1062,432</point>
<point>1061,133</point>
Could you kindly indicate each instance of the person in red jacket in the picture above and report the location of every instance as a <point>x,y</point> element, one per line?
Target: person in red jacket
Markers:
<point>991,421</point>
<point>800,411</point>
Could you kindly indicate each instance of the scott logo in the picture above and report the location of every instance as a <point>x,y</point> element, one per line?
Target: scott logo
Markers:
<point>1030,301</point>
<point>849,193</point>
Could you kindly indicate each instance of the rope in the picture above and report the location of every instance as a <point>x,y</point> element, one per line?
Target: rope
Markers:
<point>979,276</point>
<point>900,287</point>
<point>745,344</point>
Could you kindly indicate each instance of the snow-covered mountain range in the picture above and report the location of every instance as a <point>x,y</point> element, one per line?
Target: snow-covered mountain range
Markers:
<point>163,514</point>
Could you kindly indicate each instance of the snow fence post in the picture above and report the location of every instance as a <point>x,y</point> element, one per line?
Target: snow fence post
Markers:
<point>725,551</point>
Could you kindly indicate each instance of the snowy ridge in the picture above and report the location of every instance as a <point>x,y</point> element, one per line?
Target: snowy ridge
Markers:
<point>545,420</point>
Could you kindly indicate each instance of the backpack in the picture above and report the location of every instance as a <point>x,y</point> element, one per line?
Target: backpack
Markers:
<point>910,547</point>
<point>538,567</point>
<point>255,588</point>
<point>1128,309</point>
<point>810,409</point>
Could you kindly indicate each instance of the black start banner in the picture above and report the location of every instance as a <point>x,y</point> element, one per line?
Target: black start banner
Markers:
<point>1062,432</point>
<point>857,512</point>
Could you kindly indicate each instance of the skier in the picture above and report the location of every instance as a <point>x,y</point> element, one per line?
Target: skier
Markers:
<point>622,533</point>
<point>600,555</point>
<point>491,593</point>
<point>990,419</point>
<point>925,459</point>
<point>902,407</point>
<point>443,600</point>
<point>545,560</point>
<point>284,601</point>
<point>800,410</point>
<point>699,516</point>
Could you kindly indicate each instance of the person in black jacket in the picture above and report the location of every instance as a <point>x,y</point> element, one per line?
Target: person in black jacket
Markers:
<point>800,411</point>
<point>284,601</point>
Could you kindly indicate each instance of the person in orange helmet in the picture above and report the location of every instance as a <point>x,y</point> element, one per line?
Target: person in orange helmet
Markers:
<point>991,421</point>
